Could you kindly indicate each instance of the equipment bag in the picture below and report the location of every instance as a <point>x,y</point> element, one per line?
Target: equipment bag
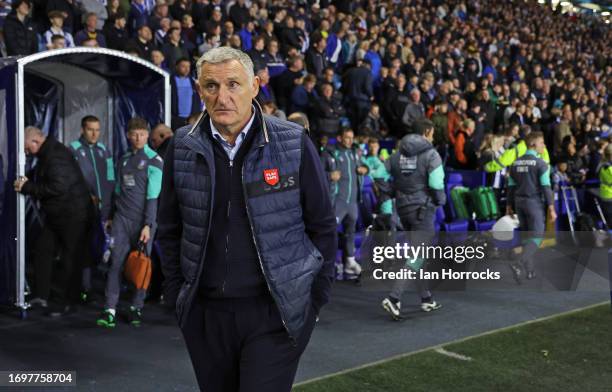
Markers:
<point>138,267</point>
<point>484,203</point>
<point>459,197</point>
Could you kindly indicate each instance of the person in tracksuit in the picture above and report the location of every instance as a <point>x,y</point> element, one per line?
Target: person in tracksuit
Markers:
<point>530,195</point>
<point>326,154</point>
<point>348,195</point>
<point>417,175</point>
<point>96,163</point>
<point>139,176</point>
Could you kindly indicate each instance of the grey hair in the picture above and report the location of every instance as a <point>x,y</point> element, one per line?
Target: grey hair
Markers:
<point>31,130</point>
<point>223,54</point>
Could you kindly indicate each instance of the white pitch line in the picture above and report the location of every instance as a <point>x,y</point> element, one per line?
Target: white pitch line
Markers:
<point>464,339</point>
<point>452,354</point>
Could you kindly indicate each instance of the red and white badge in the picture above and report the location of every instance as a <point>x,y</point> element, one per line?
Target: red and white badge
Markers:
<point>271,176</point>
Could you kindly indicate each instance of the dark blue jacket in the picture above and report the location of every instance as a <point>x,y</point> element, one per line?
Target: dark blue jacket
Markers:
<point>292,222</point>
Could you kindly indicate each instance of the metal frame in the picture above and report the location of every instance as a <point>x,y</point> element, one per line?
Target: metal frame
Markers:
<point>21,158</point>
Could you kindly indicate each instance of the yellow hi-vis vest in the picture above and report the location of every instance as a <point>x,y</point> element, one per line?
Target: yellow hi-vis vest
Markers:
<point>511,155</point>
<point>605,177</point>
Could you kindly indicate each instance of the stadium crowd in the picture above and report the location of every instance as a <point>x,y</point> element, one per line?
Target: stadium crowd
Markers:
<point>360,75</point>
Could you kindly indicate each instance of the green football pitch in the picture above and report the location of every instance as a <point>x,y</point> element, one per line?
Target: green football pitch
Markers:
<point>567,352</point>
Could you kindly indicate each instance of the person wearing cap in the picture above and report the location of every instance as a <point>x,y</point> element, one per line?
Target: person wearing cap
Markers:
<point>133,216</point>
<point>57,22</point>
<point>19,32</point>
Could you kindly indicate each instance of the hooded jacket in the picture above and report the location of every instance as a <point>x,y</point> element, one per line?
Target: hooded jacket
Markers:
<point>417,174</point>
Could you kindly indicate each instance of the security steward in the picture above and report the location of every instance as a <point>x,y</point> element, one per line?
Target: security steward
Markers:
<point>417,174</point>
<point>134,216</point>
<point>247,234</point>
<point>512,154</point>
<point>98,168</point>
<point>605,187</point>
<point>530,195</point>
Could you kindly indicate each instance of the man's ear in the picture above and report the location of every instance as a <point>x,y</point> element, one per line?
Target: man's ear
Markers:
<point>200,91</point>
<point>255,86</point>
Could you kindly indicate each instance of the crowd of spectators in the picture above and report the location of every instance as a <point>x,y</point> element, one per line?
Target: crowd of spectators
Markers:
<point>483,71</point>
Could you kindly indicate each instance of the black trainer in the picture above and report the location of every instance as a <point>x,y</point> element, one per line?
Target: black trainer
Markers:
<point>134,316</point>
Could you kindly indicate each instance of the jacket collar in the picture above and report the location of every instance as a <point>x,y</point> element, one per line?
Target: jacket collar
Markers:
<point>198,143</point>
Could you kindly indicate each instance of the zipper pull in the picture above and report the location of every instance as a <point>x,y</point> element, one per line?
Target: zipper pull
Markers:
<point>231,163</point>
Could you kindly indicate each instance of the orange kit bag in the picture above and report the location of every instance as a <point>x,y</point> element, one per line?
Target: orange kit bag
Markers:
<point>138,267</point>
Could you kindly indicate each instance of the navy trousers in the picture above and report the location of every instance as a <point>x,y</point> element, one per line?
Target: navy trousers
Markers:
<point>240,345</point>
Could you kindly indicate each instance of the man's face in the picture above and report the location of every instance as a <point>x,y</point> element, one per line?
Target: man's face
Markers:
<point>138,138</point>
<point>183,68</point>
<point>32,144</point>
<point>322,45</point>
<point>329,75</point>
<point>157,138</point>
<point>157,57</point>
<point>23,8</point>
<point>91,22</point>
<point>59,43</point>
<point>145,33</point>
<point>327,91</point>
<point>121,22</point>
<point>347,139</point>
<point>539,145</point>
<point>373,148</point>
<point>91,132</point>
<point>227,93</point>
<point>416,96</point>
<point>57,21</point>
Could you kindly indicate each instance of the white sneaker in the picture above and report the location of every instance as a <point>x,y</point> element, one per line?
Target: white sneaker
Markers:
<point>352,267</point>
<point>393,308</point>
<point>429,306</point>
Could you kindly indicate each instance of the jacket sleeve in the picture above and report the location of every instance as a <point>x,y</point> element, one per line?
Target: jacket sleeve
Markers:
<point>459,147</point>
<point>435,178</point>
<point>170,229</point>
<point>154,183</point>
<point>60,174</point>
<point>544,177</point>
<point>319,220</point>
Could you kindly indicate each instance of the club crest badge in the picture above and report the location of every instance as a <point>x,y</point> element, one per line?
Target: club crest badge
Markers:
<point>271,176</point>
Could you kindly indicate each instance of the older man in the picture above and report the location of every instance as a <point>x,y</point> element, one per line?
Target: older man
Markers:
<point>58,184</point>
<point>249,291</point>
<point>160,138</point>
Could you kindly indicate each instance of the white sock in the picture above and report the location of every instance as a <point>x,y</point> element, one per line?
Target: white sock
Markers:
<point>111,311</point>
<point>350,260</point>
